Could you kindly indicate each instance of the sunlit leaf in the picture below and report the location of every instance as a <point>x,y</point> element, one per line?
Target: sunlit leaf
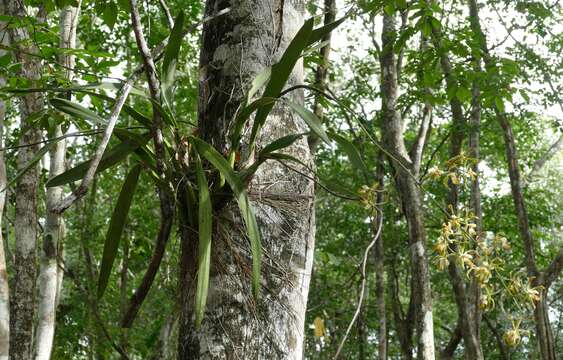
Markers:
<point>280,74</point>
<point>75,110</point>
<point>311,119</point>
<point>205,221</point>
<point>222,165</point>
<point>111,158</point>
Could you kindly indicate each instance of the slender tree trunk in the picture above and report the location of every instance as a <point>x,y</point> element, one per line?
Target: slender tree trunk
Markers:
<point>22,302</point>
<point>50,276</point>
<point>392,132</point>
<point>544,334</point>
<point>235,48</point>
<point>462,292</point>
<point>4,286</point>
<point>475,196</point>
<point>380,269</point>
<point>403,323</point>
<point>322,69</point>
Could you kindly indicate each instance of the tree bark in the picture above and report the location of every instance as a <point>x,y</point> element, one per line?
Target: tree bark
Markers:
<point>22,302</point>
<point>462,291</point>
<point>4,286</point>
<point>50,276</point>
<point>380,269</point>
<point>392,133</point>
<point>235,48</point>
<point>544,334</point>
<point>322,69</point>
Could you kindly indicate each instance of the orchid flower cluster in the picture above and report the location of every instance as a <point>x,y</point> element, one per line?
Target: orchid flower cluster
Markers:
<point>479,254</point>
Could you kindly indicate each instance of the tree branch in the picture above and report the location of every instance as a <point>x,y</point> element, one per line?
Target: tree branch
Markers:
<point>81,190</point>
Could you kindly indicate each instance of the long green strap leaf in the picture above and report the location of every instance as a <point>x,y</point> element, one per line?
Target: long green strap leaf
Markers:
<point>205,222</point>
<point>75,110</point>
<point>280,143</point>
<point>116,225</point>
<point>141,118</point>
<point>319,33</point>
<point>351,151</point>
<point>111,157</point>
<point>244,114</point>
<point>171,53</point>
<point>281,72</point>
<point>220,163</point>
<point>311,119</point>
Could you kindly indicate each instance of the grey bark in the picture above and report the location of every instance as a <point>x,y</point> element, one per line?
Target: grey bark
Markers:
<point>4,285</point>
<point>380,271</point>
<point>50,275</point>
<point>322,69</point>
<point>235,48</point>
<point>463,292</point>
<point>22,302</point>
<point>392,134</point>
<point>544,334</point>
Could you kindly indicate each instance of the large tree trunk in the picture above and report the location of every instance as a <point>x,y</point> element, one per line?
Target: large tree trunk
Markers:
<point>4,286</point>
<point>544,334</point>
<point>406,183</point>
<point>23,296</point>
<point>50,276</point>
<point>236,47</point>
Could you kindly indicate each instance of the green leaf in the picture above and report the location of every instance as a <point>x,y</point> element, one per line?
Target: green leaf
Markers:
<point>319,33</point>
<point>141,118</point>
<point>111,157</point>
<point>280,74</point>
<point>36,158</point>
<point>171,52</point>
<point>258,82</point>
<point>463,94</point>
<point>116,225</point>
<point>351,151</point>
<point>244,114</point>
<point>311,119</point>
<point>109,16</point>
<point>205,222</point>
<point>220,163</point>
<point>75,110</point>
<point>280,143</point>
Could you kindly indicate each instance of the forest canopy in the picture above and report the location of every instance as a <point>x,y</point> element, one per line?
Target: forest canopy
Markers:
<point>270,179</point>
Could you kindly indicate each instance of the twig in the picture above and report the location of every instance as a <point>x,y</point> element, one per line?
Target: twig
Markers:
<point>166,203</point>
<point>166,10</point>
<point>363,286</point>
<point>89,176</point>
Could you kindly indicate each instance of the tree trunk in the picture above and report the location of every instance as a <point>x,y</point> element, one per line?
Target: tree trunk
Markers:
<point>236,47</point>
<point>50,276</point>
<point>544,334</point>
<point>322,69</point>
<point>463,293</point>
<point>4,286</point>
<point>392,133</point>
<point>22,301</point>
<point>380,269</point>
